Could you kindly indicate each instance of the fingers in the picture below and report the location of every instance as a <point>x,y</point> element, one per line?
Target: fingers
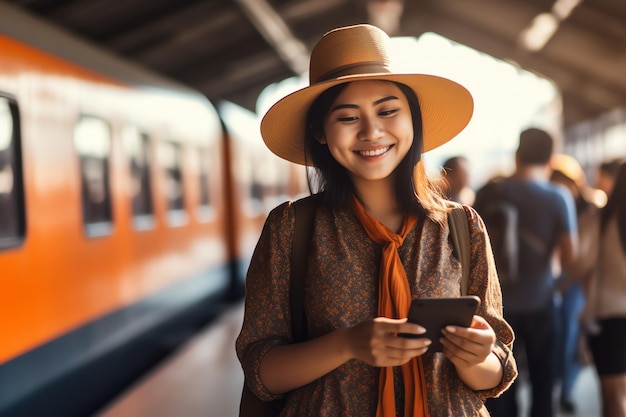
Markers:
<point>384,325</point>
<point>380,342</point>
<point>461,350</point>
<point>399,336</point>
<point>468,346</point>
<point>401,350</point>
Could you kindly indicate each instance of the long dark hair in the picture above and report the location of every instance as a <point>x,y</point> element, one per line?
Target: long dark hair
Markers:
<point>616,206</point>
<point>415,192</point>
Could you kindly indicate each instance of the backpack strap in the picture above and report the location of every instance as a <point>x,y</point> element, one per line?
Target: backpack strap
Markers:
<point>460,233</point>
<point>304,211</point>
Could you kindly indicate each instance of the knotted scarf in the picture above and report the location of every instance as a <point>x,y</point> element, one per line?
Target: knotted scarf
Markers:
<point>394,299</point>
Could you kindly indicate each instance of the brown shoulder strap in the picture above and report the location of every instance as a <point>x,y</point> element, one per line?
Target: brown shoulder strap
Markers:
<point>459,230</point>
<point>304,211</point>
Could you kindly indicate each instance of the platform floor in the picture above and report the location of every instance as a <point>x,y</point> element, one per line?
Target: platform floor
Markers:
<point>204,379</point>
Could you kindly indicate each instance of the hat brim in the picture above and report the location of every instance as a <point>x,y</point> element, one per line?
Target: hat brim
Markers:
<point>446,108</point>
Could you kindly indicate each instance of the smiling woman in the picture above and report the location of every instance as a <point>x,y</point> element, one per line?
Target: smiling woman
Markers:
<point>376,245</point>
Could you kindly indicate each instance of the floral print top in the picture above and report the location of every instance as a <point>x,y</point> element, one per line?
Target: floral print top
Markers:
<point>341,289</point>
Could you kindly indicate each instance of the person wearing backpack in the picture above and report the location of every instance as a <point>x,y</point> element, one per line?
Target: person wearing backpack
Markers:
<point>528,220</point>
<point>380,239</point>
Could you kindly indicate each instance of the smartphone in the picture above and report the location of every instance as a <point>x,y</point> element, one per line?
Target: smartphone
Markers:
<point>436,313</point>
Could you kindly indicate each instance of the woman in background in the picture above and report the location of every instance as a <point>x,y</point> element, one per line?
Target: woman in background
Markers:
<point>567,171</point>
<point>607,302</point>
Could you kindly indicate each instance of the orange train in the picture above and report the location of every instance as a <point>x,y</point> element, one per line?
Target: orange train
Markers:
<point>127,217</point>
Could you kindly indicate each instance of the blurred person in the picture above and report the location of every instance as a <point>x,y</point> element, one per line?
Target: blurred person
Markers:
<point>456,176</point>
<point>380,239</point>
<point>607,171</point>
<point>545,223</point>
<point>606,306</point>
<point>570,351</point>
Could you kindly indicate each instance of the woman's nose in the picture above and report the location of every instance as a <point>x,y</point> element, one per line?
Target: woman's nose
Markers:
<point>371,129</point>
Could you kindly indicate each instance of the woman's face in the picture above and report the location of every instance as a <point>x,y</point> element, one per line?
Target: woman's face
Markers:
<point>369,129</point>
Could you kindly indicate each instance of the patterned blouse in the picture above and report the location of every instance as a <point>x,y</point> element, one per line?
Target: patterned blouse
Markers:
<point>341,289</point>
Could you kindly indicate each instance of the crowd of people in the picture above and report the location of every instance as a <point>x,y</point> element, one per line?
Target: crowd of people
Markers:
<point>568,309</point>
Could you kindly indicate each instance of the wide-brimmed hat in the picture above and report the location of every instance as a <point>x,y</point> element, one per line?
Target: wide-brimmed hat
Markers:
<point>570,168</point>
<point>356,53</point>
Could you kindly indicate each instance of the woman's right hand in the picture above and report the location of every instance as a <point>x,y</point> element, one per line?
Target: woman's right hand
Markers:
<point>377,342</point>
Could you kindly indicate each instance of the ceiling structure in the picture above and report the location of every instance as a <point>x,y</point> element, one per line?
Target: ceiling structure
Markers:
<point>232,49</point>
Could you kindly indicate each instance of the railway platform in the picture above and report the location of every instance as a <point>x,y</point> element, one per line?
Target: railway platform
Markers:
<point>204,379</point>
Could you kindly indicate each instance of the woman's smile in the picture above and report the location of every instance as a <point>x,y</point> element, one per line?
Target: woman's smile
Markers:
<point>374,152</point>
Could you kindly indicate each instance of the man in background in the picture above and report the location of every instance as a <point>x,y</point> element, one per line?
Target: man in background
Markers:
<point>545,224</point>
<point>456,176</point>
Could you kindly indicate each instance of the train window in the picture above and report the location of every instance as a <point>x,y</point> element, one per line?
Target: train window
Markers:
<point>171,161</point>
<point>204,209</point>
<point>92,138</point>
<point>204,177</point>
<point>12,213</point>
<point>137,146</point>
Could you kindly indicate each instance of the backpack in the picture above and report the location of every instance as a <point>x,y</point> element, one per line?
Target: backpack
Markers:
<point>501,220</point>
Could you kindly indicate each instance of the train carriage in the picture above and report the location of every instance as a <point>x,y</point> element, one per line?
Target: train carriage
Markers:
<point>113,220</point>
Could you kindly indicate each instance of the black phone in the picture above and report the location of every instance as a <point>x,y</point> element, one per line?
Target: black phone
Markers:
<point>436,313</point>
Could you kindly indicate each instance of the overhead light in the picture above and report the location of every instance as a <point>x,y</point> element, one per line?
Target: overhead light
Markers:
<point>563,8</point>
<point>543,26</point>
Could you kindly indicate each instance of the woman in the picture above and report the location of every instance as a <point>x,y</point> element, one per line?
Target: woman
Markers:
<point>607,302</point>
<point>570,351</point>
<point>378,226</point>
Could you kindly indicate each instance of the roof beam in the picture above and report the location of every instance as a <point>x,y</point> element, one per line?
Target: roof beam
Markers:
<point>276,32</point>
<point>147,35</point>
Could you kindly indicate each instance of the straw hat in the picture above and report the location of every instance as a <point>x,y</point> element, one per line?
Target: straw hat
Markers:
<point>569,167</point>
<point>355,53</point>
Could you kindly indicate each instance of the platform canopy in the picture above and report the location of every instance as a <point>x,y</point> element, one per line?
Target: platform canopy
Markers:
<point>232,49</point>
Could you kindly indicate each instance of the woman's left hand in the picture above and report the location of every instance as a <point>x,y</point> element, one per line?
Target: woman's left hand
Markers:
<point>466,347</point>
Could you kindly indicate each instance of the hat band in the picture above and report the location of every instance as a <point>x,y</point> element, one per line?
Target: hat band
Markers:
<point>361,68</point>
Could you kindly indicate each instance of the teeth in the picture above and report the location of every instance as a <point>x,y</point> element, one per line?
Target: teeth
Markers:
<point>375,152</point>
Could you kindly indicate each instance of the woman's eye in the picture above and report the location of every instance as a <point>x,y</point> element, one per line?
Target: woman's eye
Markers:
<point>347,118</point>
<point>388,112</point>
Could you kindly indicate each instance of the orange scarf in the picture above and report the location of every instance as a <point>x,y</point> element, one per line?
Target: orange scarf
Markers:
<point>394,299</point>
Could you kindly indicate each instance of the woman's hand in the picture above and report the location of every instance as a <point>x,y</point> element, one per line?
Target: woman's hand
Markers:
<point>470,350</point>
<point>470,346</point>
<point>378,343</point>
